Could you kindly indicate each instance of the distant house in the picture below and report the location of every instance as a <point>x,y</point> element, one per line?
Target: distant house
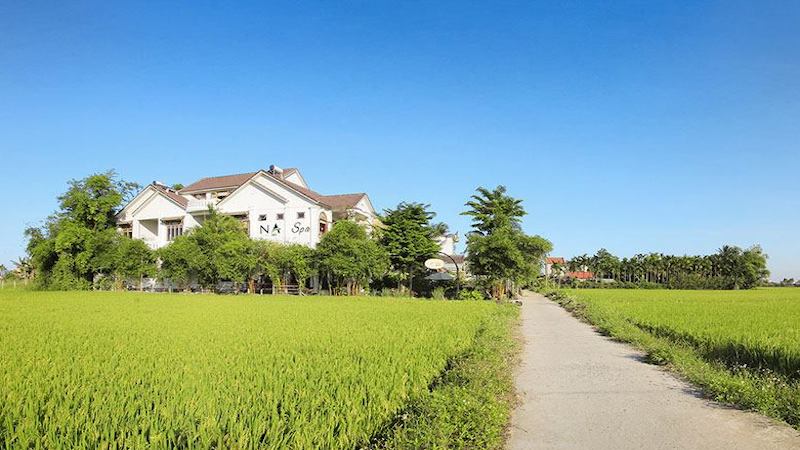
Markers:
<point>582,275</point>
<point>556,261</point>
<point>447,245</point>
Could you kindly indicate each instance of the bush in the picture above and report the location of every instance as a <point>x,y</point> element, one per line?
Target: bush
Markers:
<point>469,294</point>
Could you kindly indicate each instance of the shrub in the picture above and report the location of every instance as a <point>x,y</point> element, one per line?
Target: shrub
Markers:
<point>469,294</point>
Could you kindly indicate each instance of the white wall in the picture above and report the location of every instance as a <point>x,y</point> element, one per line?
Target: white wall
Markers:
<point>266,197</point>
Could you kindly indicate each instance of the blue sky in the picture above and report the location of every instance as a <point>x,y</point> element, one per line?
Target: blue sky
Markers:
<point>634,126</point>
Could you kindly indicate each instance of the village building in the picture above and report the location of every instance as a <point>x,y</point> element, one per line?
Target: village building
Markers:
<point>554,266</point>
<point>275,204</point>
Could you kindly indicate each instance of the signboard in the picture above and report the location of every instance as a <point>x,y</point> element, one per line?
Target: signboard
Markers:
<point>434,264</point>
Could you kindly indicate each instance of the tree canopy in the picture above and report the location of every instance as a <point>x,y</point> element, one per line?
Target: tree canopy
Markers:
<point>349,258</point>
<point>78,243</point>
<point>731,267</point>
<point>408,237</point>
<point>498,251</point>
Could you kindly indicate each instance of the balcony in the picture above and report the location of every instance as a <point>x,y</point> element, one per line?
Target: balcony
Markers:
<point>195,205</point>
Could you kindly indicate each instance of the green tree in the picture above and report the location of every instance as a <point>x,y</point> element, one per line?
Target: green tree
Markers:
<point>348,258</point>
<point>492,210</point>
<point>217,250</point>
<point>77,243</point>
<point>294,260</point>
<point>408,237</point>
<point>182,261</point>
<point>134,260</point>
<point>498,251</point>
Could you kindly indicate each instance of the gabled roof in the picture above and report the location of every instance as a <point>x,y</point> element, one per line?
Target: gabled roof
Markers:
<point>169,194</point>
<point>335,202</point>
<point>225,181</point>
<point>342,201</point>
<point>172,195</point>
<point>555,260</point>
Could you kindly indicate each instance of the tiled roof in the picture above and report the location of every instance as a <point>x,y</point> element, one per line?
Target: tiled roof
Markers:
<point>580,275</point>
<point>179,199</point>
<point>335,202</point>
<point>226,181</point>
<point>555,260</point>
<point>342,201</point>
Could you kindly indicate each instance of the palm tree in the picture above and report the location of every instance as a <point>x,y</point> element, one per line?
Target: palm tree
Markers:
<point>24,269</point>
<point>491,210</point>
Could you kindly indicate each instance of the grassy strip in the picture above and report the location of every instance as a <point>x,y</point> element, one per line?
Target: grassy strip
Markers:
<point>769,393</point>
<point>469,405</point>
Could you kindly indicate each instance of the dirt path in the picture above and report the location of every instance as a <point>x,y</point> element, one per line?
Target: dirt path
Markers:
<point>581,390</point>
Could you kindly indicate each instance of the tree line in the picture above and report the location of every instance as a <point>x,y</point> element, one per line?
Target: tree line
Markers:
<point>79,247</point>
<point>731,267</point>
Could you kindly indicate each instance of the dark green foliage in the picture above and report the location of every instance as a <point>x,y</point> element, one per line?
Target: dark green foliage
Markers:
<point>408,238</point>
<point>78,244</point>
<point>730,268</point>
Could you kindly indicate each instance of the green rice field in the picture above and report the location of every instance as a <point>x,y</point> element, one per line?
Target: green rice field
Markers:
<point>138,370</point>
<point>758,328</point>
<point>741,346</point>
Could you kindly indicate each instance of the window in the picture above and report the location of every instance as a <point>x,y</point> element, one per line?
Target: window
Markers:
<point>262,217</point>
<point>301,215</point>
<point>126,230</point>
<point>174,229</point>
<point>280,216</point>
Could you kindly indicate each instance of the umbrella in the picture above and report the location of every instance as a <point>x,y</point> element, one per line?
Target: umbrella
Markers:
<point>440,276</point>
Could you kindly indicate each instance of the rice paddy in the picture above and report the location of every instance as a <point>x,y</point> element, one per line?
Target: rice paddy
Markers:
<point>134,370</point>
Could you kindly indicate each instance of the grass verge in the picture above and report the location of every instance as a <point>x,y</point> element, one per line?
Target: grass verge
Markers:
<point>767,392</point>
<point>469,404</point>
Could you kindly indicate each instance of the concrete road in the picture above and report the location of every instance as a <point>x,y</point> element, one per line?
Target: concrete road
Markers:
<point>580,390</point>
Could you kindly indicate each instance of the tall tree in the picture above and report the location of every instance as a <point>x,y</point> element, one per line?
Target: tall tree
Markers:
<point>408,238</point>
<point>498,251</point>
<point>492,210</point>
<point>77,243</point>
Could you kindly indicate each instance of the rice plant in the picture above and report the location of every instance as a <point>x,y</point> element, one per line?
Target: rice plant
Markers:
<point>131,370</point>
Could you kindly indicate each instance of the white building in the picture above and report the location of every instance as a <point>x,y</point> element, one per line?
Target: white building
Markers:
<point>275,204</point>
<point>447,243</point>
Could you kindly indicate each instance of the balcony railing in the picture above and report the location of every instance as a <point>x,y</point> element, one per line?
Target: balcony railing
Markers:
<point>195,205</point>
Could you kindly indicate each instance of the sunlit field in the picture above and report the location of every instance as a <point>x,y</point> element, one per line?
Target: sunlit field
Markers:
<point>114,370</point>
<point>758,328</point>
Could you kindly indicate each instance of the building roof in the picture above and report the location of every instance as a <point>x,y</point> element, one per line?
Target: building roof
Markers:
<point>335,202</point>
<point>342,201</point>
<point>580,275</point>
<point>225,181</point>
<point>172,195</point>
<point>555,260</point>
